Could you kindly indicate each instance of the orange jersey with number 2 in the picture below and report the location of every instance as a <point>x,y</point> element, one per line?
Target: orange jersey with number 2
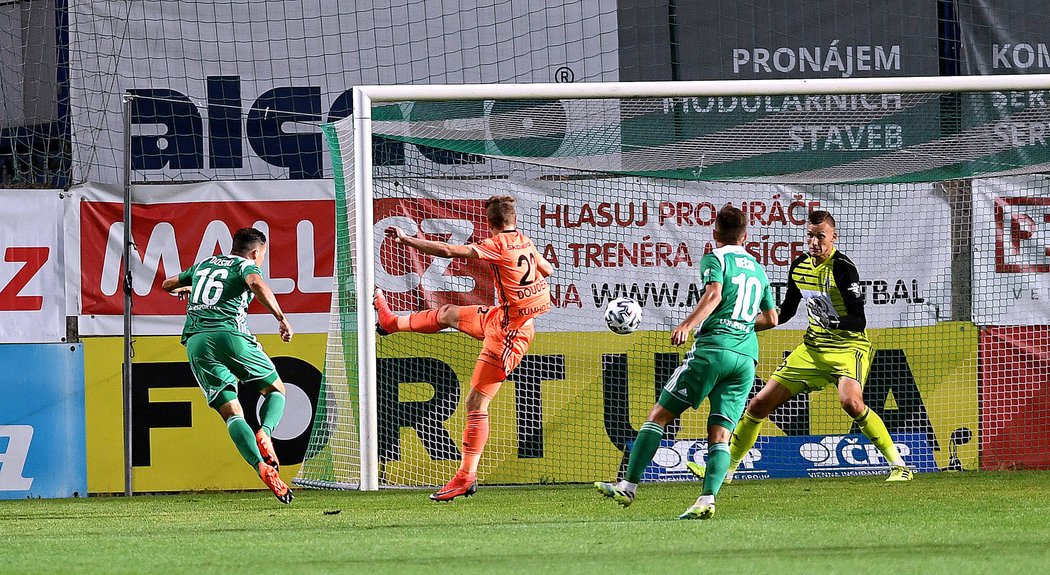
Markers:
<point>522,292</point>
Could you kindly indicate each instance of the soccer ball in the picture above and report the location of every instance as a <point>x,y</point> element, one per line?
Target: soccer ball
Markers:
<point>623,315</point>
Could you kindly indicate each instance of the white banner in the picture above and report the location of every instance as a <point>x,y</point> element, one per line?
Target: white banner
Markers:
<point>174,226</point>
<point>1011,284</point>
<point>234,90</point>
<point>644,239</point>
<point>32,281</point>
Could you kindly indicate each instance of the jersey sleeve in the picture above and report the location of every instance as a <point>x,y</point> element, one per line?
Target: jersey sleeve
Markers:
<point>711,269</point>
<point>793,296</point>
<point>488,250</point>
<point>248,268</point>
<point>186,276</point>
<point>847,278</point>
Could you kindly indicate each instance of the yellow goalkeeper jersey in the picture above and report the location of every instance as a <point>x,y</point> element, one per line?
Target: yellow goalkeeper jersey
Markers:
<point>835,286</point>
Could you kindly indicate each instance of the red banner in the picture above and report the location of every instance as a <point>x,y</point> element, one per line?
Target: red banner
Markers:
<point>1015,397</point>
<point>181,225</point>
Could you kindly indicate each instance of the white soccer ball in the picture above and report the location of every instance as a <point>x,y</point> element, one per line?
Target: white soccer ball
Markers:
<point>623,315</point>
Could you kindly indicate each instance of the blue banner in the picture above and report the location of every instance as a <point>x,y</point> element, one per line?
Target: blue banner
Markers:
<point>42,432</point>
<point>796,456</point>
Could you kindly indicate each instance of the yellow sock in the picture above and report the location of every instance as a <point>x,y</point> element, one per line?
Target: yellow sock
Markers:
<point>744,437</point>
<point>872,426</point>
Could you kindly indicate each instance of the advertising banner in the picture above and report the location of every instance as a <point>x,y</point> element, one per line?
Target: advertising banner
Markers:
<point>178,442</point>
<point>42,451</point>
<point>797,456</point>
<point>32,277</point>
<point>1011,283</point>
<point>176,226</point>
<point>1003,37</point>
<point>645,240</point>
<point>843,39</point>
<point>569,412</point>
<point>213,105</point>
<point>1015,397</point>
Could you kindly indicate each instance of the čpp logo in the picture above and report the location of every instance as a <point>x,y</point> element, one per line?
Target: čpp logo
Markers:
<point>673,457</point>
<point>837,450</point>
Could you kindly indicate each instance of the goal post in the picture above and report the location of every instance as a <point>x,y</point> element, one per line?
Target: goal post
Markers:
<point>618,182</point>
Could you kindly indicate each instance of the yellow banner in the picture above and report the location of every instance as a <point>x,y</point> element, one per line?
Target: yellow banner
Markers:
<point>581,396</point>
<point>179,443</point>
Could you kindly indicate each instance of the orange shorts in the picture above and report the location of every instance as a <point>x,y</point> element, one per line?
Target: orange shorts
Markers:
<point>502,349</point>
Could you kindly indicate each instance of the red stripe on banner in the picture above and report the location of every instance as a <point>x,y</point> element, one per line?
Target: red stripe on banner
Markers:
<point>1015,397</point>
<point>170,237</point>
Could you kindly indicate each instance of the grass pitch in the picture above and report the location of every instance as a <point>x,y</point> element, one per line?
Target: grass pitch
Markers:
<point>939,523</point>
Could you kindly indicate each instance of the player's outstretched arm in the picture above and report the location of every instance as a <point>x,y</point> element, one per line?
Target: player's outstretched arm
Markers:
<point>707,304</point>
<point>174,286</point>
<point>265,296</point>
<point>431,247</point>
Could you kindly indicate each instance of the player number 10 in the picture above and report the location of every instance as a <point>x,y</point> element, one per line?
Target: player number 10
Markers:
<point>748,294</point>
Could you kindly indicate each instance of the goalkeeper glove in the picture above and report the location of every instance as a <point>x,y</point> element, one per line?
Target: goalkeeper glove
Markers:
<point>820,316</point>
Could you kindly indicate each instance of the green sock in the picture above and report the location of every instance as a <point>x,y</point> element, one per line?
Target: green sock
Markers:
<point>272,410</point>
<point>645,446</point>
<point>871,425</point>
<point>244,439</point>
<point>717,466</point>
<point>744,437</point>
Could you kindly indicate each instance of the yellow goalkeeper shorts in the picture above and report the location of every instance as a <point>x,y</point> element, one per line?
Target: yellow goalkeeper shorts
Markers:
<point>809,369</point>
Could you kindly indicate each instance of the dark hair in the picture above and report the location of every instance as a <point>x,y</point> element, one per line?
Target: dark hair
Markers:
<point>730,225</point>
<point>500,211</point>
<point>247,239</point>
<point>820,216</point>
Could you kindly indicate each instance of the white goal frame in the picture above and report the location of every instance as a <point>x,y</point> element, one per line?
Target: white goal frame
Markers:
<point>365,96</point>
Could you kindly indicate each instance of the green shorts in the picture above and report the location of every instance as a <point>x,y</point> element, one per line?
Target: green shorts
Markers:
<point>219,359</point>
<point>809,369</point>
<point>724,376</point>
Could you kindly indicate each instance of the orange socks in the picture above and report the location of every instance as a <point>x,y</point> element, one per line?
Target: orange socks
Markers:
<point>421,322</point>
<point>474,437</point>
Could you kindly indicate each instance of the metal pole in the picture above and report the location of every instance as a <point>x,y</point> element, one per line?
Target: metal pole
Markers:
<point>128,243</point>
<point>366,335</point>
<point>583,90</point>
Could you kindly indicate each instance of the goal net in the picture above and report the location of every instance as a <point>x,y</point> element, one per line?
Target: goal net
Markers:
<point>938,198</point>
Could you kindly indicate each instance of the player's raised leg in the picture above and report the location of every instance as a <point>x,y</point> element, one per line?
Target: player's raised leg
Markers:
<point>872,426</point>
<point>426,321</point>
<point>642,452</point>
